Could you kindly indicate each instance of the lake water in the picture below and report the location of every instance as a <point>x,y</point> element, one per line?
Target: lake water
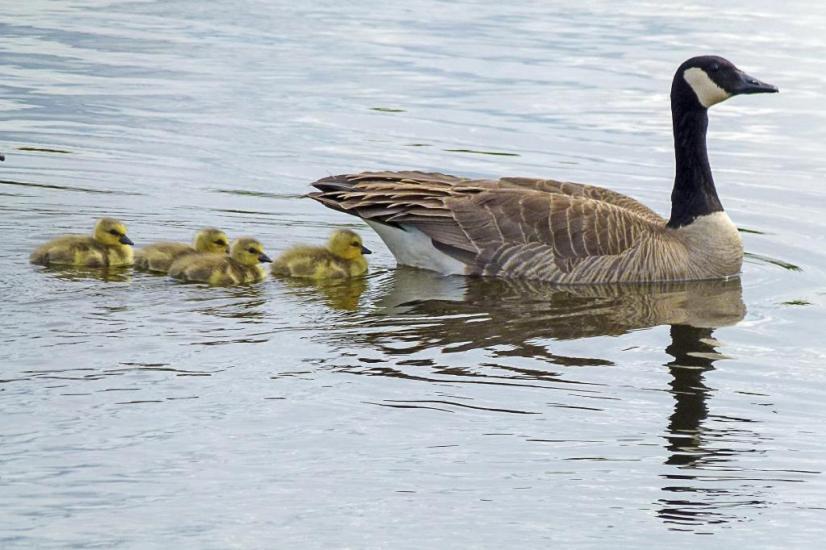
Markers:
<point>406,410</point>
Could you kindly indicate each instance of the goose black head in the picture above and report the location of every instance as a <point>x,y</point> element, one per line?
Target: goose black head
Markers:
<point>706,80</point>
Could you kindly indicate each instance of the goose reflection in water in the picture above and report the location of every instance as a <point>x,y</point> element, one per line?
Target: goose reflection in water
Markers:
<point>420,315</point>
<point>701,452</point>
<point>511,318</point>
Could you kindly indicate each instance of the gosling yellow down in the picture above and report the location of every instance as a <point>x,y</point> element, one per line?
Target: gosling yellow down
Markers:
<point>160,256</point>
<point>241,266</point>
<point>107,246</point>
<point>342,257</point>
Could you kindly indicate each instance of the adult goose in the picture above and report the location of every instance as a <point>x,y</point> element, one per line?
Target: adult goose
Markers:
<point>563,232</point>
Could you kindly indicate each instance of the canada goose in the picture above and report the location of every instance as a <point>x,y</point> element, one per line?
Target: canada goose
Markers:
<point>342,257</point>
<point>239,267</point>
<point>560,231</point>
<point>159,256</point>
<point>107,246</point>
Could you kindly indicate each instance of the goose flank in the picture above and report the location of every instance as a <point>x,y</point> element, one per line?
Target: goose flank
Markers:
<point>159,257</point>
<point>343,257</point>
<point>107,246</point>
<point>241,266</point>
<point>563,232</point>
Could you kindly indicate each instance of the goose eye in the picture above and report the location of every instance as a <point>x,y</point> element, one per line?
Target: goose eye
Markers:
<point>114,232</point>
<point>220,243</point>
<point>354,243</point>
<point>252,251</point>
<point>715,67</point>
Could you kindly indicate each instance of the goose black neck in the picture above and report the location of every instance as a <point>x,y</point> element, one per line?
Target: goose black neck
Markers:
<point>694,193</point>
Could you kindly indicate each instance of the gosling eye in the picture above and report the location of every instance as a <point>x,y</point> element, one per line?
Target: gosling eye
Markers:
<point>252,251</point>
<point>219,242</point>
<point>354,243</point>
<point>114,232</point>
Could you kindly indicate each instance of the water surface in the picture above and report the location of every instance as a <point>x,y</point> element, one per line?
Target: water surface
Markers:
<point>405,410</point>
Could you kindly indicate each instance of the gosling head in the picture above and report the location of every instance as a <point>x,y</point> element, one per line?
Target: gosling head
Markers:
<point>110,231</point>
<point>248,251</point>
<point>211,240</point>
<point>707,80</point>
<point>346,244</point>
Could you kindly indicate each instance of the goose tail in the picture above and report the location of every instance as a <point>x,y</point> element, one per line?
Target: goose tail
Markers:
<point>328,192</point>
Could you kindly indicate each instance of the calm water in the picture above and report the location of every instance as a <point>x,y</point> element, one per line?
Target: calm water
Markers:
<point>406,410</point>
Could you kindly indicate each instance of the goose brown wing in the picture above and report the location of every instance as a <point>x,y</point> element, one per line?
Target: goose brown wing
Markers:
<point>539,235</point>
<point>587,191</point>
<point>513,226</point>
<point>415,183</point>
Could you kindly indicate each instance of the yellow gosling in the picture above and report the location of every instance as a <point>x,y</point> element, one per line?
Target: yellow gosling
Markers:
<point>239,267</point>
<point>160,256</point>
<point>343,257</point>
<point>107,246</point>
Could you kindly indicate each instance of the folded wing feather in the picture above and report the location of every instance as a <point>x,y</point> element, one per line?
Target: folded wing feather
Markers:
<point>520,227</point>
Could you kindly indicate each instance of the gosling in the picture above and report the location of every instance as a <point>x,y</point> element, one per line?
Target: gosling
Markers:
<point>159,257</point>
<point>239,267</point>
<point>343,257</point>
<point>107,246</point>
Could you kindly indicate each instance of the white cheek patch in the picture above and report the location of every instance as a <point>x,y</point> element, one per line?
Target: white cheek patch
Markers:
<point>707,92</point>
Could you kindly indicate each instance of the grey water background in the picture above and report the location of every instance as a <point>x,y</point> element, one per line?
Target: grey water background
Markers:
<point>406,410</point>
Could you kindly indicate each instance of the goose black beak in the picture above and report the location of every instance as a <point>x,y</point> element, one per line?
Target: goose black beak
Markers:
<point>365,250</point>
<point>749,85</point>
<point>263,258</point>
<point>126,240</point>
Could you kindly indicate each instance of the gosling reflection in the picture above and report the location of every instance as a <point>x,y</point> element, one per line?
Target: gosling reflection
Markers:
<point>692,445</point>
<point>340,294</point>
<point>244,303</point>
<point>112,274</point>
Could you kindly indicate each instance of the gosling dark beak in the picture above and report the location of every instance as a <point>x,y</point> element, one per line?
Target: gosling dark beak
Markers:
<point>263,258</point>
<point>750,85</point>
<point>365,250</point>
<point>126,240</point>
